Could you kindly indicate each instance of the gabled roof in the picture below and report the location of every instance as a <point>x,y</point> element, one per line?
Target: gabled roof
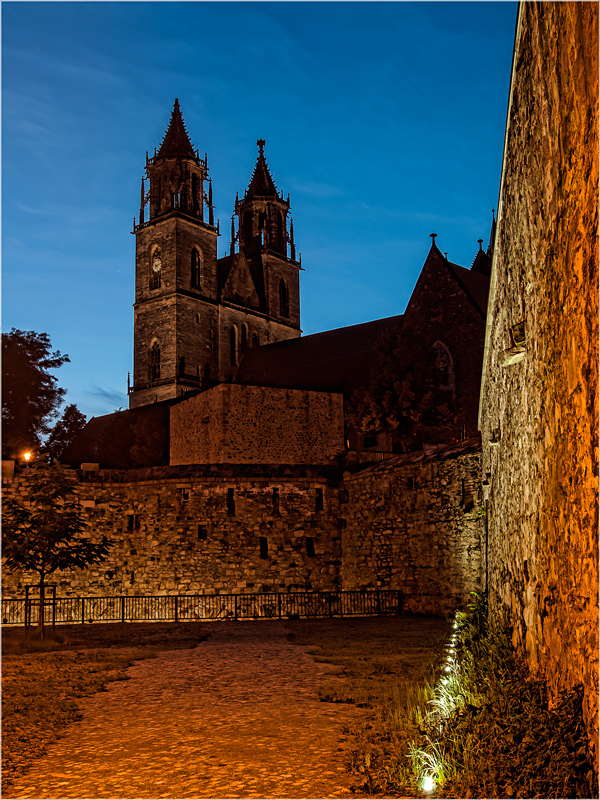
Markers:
<point>176,142</point>
<point>261,183</point>
<point>474,284</point>
<point>332,361</point>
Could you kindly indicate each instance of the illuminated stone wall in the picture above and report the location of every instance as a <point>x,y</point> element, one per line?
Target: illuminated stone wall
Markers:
<point>414,523</point>
<point>539,407</point>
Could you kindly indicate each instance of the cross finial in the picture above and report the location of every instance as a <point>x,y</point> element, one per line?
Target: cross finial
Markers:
<point>261,143</point>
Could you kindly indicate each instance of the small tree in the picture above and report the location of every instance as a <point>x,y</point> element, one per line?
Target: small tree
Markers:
<point>43,533</point>
<point>64,432</point>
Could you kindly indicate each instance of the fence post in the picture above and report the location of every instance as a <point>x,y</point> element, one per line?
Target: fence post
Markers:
<point>378,604</point>
<point>329,601</point>
<point>83,610</point>
<point>400,597</point>
<point>122,608</point>
<point>53,607</point>
<point>235,606</point>
<point>176,608</point>
<point>27,607</point>
<point>279,604</point>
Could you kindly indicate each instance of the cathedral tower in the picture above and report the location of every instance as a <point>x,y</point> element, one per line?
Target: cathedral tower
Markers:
<point>175,316</point>
<point>194,315</point>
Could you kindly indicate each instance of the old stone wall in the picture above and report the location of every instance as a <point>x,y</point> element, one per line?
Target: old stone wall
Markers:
<point>199,530</point>
<point>414,523</point>
<point>255,424</point>
<point>539,403</point>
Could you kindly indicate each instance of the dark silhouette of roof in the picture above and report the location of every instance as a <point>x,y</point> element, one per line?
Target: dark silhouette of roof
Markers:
<point>261,183</point>
<point>332,361</point>
<point>474,284</point>
<point>482,262</point>
<point>176,142</point>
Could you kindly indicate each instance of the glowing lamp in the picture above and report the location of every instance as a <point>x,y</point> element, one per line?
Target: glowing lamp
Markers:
<point>27,456</point>
<point>428,783</point>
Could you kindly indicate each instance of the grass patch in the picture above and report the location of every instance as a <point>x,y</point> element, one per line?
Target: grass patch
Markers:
<point>43,679</point>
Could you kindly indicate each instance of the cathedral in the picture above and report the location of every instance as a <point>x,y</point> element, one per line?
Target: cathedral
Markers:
<point>218,353</point>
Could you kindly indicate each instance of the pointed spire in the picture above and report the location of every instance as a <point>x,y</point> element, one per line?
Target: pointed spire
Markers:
<point>490,249</point>
<point>176,141</point>
<point>261,184</point>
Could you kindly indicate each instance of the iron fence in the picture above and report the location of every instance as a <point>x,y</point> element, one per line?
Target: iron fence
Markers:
<point>201,607</point>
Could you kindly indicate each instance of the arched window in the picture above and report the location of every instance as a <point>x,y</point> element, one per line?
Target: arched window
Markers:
<point>244,338</point>
<point>154,364</point>
<point>444,367</point>
<point>281,243</point>
<point>284,306</point>
<point>247,226</point>
<point>155,268</point>
<point>197,264</point>
<point>233,346</point>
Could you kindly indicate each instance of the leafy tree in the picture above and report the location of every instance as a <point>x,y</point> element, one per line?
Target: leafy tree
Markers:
<point>402,395</point>
<point>64,432</point>
<point>43,533</point>
<point>30,396</point>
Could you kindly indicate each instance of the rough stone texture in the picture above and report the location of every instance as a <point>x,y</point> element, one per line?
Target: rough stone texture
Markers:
<point>416,527</point>
<point>539,415</point>
<point>410,525</point>
<point>255,424</point>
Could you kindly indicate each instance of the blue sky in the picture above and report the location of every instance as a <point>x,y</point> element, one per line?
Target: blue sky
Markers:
<point>383,120</point>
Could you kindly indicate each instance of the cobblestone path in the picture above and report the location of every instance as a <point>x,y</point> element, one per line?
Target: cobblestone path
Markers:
<point>236,717</point>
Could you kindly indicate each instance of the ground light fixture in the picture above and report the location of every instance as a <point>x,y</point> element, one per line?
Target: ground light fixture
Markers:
<point>428,783</point>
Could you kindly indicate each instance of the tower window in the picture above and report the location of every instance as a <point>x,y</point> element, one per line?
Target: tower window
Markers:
<point>244,338</point>
<point>154,370</point>
<point>264,546</point>
<point>155,269</point>
<point>444,368</point>
<point>276,502</point>
<point>310,547</point>
<point>202,532</point>
<point>284,306</point>
<point>197,264</point>
<point>233,346</point>
<point>281,243</point>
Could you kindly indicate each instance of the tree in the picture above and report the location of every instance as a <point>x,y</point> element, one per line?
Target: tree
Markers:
<point>30,396</point>
<point>403,394</point>
<point>64,432</point>
<point>44,533</point>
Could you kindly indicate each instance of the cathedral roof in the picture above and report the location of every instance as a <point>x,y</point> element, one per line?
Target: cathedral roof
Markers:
<point>332,361</point>
<point>475,285</point>
<point>176,141</point>
<point>261,184</point>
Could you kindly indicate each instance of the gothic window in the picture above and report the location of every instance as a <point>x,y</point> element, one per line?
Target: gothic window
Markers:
<point>281,243</point>
<point>247,226</point>
<point>244,338</point>
<point>444,368</point>
<point>310,547</point>
<point>284,306</point>
<point>155,268</point>
<point>233,346</point>
<point>264,546</point>
<point>194,193</point>
<point>154,371</point>
<point>255,342</point>
<point>197,264</point>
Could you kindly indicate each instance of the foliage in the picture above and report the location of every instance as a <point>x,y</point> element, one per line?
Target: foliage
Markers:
<point>30,396</point>
<point>44,533</point>
<point>64,432</point>
<point>402,392</point>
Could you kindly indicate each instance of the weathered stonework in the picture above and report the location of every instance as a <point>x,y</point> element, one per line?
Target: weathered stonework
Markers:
<point>415,525</point>
<point>539,403</point>
<point>257,425</point>
<point>411,525</point>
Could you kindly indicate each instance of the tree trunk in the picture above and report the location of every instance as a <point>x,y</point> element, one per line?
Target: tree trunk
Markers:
<point>42,607</point>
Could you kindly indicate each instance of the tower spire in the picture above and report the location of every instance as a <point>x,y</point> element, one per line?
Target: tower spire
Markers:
<point>176,141</point>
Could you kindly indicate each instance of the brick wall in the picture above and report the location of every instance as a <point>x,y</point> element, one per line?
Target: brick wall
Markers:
<point>539,405</point>
<point>413,523</point>
<point>253,424</point>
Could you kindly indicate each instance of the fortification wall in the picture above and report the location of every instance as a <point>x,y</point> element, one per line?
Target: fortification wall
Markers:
<point>539,405</point>
<point>257,425</point>
<point>416,527</point>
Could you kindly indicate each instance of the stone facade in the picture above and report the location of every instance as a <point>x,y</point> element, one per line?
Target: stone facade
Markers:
<point>245,425</point>
<point>539,402</point>
<point>245,528</point>
<point>414,524</point>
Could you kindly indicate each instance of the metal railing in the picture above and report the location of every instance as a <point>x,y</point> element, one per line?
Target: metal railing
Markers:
<point>201,607</point>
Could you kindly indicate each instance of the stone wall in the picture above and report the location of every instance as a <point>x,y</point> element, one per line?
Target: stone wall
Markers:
<point>414,523</point>
<point>254,424</point>
<point>198,530</point>
<point>539,403</point>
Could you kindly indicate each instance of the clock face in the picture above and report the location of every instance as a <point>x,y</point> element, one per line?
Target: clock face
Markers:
<point>156,264</point>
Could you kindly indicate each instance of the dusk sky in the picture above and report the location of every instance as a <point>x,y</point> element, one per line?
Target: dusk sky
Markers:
<point>383,121</point>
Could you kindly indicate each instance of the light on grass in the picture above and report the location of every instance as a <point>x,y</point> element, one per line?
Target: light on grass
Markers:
<point>428,783</point>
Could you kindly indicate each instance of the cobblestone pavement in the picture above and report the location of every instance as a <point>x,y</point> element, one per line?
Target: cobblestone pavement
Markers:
<point>238,716</point>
